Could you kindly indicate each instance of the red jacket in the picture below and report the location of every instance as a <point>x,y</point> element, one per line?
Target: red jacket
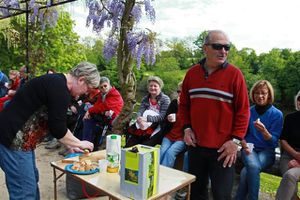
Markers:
<point>113,101</point>
<point>216,107</point>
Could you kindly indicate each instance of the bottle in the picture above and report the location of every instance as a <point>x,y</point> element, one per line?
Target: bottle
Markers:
<point>113,150</point>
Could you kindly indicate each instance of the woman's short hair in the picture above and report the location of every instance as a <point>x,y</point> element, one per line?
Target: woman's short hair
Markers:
<point>259,84</point>
<point>297,98</point>
<point>14,72</point>
<point>104,79</point>
<point>88,71</point>
<point>157,80</point>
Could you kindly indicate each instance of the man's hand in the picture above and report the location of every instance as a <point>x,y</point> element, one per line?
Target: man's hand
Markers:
<point>293,163</point>
<point>229,151</point>
<point>189,137</point>
<point>297,156</point>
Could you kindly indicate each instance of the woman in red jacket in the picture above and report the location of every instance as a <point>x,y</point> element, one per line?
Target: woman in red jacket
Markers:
<point>107,107</point>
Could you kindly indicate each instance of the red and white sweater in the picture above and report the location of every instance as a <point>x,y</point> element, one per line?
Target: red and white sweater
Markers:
<point>216,107</point>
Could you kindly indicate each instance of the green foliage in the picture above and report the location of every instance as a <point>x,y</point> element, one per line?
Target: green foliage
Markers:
<point>199,42</point>
<point>170,78</point>
<point>11,52</point>
<point>180,50</point>
<point>59,46</point>
<point>167,64</point>
<point>288,80</point>
<point>93,51</point>
<point>56,48</point>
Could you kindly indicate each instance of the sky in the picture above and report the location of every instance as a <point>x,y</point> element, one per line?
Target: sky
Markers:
<point>257,24</point>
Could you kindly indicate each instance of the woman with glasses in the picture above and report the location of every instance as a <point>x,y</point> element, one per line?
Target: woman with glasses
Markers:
<point>264,129</point>
<point>38,107</point>
<point>290,155</point>
<point>107,107</point>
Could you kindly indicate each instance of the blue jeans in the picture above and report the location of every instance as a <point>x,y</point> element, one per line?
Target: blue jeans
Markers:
<point>169,150</point>
<point>89,126</point>
<point>21,174</point>
<point>254,163</point>
<point>186,162</point>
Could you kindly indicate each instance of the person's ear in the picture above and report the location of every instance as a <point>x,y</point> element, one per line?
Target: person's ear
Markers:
<point>81,80</point>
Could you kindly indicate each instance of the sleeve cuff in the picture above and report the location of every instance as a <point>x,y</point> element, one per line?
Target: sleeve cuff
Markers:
<point>186,126</point>
<point>236,137</point>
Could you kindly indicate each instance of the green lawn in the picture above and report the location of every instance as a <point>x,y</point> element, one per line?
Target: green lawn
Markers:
<point>269,183</point>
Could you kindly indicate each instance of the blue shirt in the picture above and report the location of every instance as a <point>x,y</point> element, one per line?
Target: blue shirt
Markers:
<point>3,80</point>
<point>273,121</point>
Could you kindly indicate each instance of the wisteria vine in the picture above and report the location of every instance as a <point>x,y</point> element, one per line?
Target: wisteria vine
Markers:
<point>109,14</point>
<point>44,17</point>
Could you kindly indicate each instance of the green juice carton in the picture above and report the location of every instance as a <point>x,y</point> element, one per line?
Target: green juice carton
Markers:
<point>139,172</point>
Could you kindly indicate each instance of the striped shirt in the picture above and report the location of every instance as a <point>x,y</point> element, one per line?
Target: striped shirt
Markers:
<point>216,107</point>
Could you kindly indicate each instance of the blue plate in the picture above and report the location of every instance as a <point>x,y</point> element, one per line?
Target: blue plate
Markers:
<point>69,169</point>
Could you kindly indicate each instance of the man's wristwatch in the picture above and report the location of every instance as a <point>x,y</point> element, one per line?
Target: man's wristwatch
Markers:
<point>237,141</point>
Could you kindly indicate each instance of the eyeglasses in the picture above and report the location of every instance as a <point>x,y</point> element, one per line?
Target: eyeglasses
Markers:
<point>217,46</point>
<point>103,86</point>
<point>262,93</point>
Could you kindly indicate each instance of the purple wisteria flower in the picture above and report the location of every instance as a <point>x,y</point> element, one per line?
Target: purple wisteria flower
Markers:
<point>110,13</point>
<point>110,48</point>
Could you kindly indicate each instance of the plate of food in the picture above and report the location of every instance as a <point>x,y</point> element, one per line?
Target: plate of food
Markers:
<point>82,168</point>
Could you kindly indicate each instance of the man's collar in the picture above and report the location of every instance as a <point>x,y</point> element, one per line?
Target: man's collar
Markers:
<point>202,62</point>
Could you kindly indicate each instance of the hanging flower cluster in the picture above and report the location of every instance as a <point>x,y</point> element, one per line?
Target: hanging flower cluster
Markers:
<point>9,4</point>
<point>45,17</point>
<point>110,13</point>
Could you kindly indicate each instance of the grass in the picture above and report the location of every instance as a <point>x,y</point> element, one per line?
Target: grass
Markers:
<point>269,184</point>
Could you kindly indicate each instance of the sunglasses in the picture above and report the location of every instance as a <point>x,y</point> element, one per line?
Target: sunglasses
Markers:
<point>103,86</point>
<point>217,46</point>
<point>178,91</point>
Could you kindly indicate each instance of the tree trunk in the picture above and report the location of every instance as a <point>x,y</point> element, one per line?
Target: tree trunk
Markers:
<point>125,72</point>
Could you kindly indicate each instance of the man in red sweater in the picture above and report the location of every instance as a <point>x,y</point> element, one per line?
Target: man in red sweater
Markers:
<point>215,109</point>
